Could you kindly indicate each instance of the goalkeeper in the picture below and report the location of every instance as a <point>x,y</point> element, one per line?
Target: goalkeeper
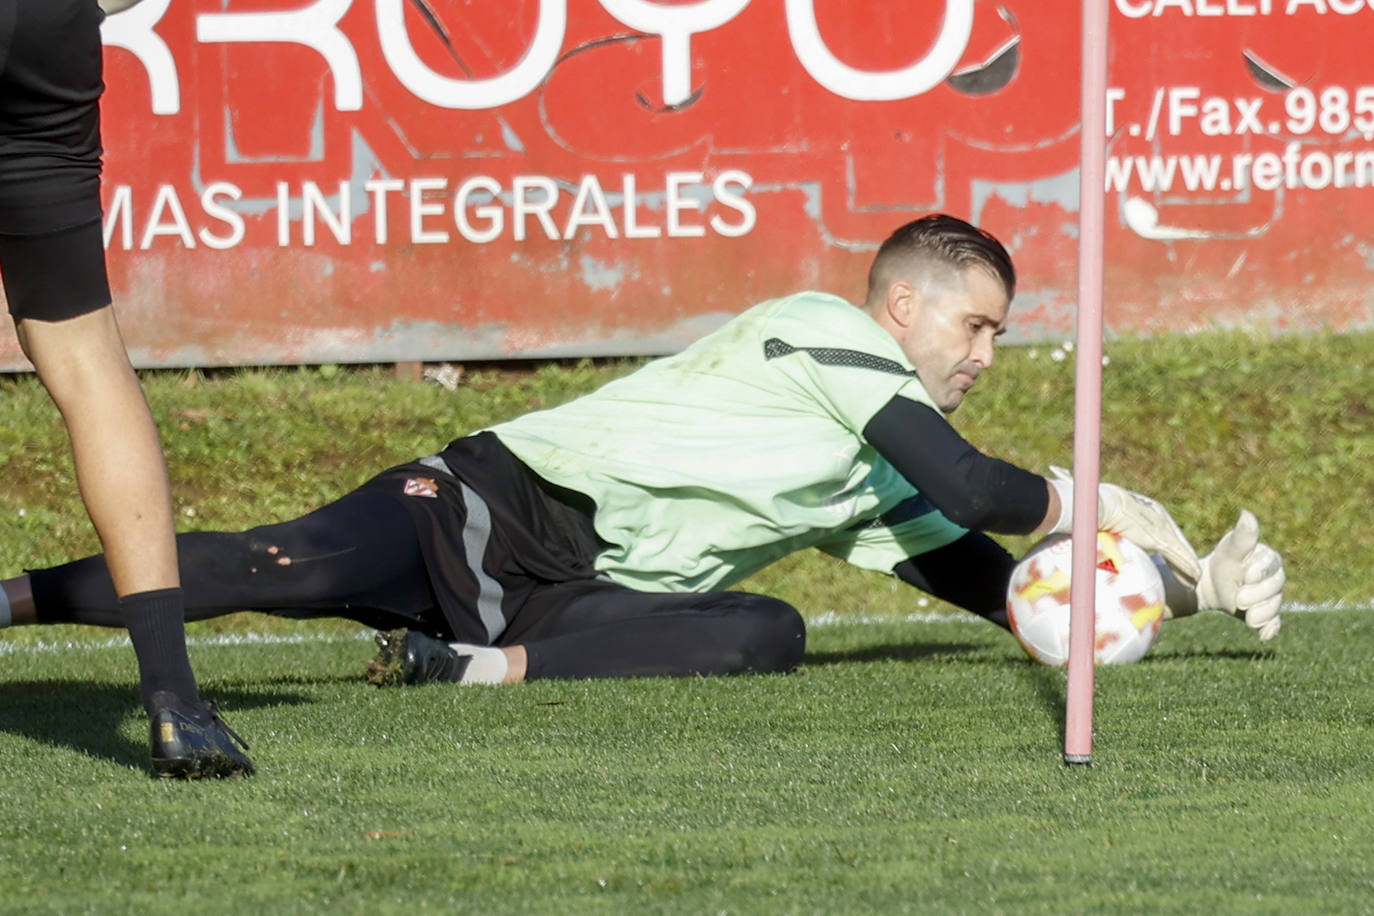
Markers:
<point>599,538</point>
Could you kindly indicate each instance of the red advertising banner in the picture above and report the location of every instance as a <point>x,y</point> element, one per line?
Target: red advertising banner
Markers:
<point>384,180</point>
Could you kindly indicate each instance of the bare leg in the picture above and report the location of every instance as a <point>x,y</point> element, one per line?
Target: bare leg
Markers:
<point>517,662</point>
<point>119,464</point>
<point>123,481</point>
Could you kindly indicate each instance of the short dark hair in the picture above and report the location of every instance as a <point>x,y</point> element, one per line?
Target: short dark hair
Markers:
<point>940,241</point>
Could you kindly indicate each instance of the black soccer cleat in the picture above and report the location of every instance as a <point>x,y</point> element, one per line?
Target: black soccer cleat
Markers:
<point>192,742</point>
<point>408,657</point>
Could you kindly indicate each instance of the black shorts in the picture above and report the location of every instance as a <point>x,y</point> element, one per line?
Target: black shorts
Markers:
<point>495,536</point>
<point>55,276</point>
<point>50,87</point>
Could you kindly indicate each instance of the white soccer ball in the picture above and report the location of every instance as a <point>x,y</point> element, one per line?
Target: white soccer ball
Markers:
<point>1129,600</point>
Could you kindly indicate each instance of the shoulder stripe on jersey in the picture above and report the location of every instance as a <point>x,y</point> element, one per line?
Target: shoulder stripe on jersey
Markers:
<point>773,348</point>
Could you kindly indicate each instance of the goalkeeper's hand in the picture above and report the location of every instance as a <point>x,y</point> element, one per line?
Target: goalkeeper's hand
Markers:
<point>1139,519</point>
<point>1244,578</point>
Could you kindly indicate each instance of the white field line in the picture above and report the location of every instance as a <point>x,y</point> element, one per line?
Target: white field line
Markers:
<point>222,639</point>
<point>826,619</point>
<point>1300,607</point>
<point>831,618</point>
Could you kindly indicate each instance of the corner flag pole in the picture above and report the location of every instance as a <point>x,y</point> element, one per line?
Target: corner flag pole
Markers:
<point>1087,412</point>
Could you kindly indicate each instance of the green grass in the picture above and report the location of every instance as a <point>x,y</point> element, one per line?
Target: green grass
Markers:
<point>911,766</point>
<point>914,764</point>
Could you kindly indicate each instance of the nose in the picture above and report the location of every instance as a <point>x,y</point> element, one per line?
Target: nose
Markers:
<point>983,351</point>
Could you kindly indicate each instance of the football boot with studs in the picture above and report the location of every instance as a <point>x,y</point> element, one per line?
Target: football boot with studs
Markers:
<point>408,657</point>
<point>191,741</point>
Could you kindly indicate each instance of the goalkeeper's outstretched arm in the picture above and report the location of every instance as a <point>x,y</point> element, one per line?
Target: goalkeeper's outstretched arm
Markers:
<point>984,493</point>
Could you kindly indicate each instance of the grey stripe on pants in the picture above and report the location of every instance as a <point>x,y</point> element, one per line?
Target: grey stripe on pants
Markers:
<point>476,534</point>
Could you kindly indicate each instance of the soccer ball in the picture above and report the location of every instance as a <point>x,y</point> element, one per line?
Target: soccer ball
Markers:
<point>1129,599</point>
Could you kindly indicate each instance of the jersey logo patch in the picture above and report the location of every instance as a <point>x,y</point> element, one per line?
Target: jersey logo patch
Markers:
<point>773,348</point>
<point>422,486</point>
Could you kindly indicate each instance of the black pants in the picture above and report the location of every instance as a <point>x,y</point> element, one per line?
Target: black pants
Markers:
<point>361,558</point>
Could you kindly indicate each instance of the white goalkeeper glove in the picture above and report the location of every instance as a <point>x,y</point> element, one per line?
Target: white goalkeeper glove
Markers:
<point>1244,578</point>
<point>1139,519</point>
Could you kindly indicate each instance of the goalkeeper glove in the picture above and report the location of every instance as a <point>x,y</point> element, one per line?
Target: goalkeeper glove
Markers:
<point>1137,518</point>
<point>1244,578</point>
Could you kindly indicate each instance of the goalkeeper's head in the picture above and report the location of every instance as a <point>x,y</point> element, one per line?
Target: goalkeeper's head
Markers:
<point>942,288</point>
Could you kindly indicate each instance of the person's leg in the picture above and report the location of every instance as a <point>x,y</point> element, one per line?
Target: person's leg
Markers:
<point>123,481</point>
<point>616,632</point>
<point>358,557</point>
<point>115,445</point>
<point>52,261</point>
<point>598,629</point>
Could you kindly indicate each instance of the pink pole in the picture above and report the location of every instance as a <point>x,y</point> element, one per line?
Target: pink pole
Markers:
<point>1087,413</point>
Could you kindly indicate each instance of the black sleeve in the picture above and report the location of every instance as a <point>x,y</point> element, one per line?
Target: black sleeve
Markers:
<point>971,573</point>
<point>968,487</point>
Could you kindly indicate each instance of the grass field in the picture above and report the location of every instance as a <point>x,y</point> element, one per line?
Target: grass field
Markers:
<point>912,765</point>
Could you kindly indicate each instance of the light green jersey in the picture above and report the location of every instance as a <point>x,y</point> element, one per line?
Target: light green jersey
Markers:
<point>709,465</point>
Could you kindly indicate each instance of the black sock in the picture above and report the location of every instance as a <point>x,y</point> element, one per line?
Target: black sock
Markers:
<point>156,622</point>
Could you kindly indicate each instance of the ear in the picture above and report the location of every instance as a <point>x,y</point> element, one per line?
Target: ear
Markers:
<point>903,299</point>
